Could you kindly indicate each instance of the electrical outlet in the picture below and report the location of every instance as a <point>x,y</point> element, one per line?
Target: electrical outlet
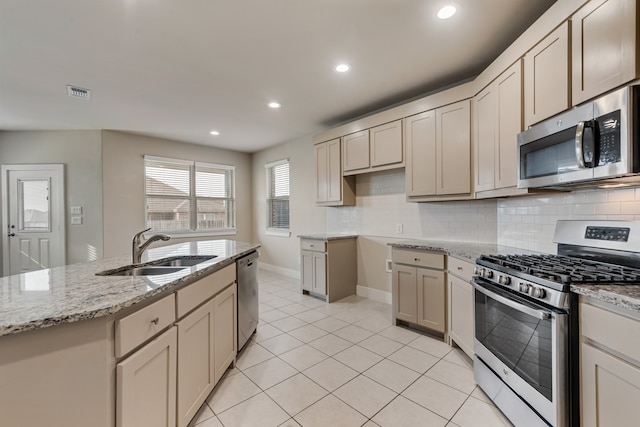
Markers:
<point>76,210</point>
<point>399,228</point>
<point>76,220</point>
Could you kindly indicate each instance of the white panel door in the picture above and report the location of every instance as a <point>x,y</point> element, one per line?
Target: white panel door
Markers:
<point>33,214</point>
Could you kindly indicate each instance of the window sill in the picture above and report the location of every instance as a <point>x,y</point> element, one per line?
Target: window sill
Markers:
<point>188,234</point>
<point>278,232</point>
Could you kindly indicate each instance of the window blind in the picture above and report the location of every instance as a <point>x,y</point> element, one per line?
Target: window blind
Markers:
<point>278,195</point>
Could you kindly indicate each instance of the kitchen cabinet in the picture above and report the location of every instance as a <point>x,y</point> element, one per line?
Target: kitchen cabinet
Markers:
<point>419,289</point>
<point>378,148</point>
<point>332,189</point>
<point>225,334</point>
<point>328,267</point>
<point>460,304</point>
<point>355,151</point>
<point>546,77</point>
<point>439,153</point>
<point>498,120</point>
<point>604,39</point>
<point>146,385</point>
<point>610,365</point>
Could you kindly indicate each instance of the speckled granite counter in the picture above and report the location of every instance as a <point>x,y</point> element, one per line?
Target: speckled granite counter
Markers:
<point>71,293</point>
<point>623,296</point>
<point>326,237</point>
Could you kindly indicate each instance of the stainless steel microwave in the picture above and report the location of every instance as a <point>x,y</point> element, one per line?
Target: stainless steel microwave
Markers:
<point>593,142</point>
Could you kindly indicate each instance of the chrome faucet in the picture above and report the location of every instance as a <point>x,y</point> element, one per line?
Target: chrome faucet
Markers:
<point>137,249</point>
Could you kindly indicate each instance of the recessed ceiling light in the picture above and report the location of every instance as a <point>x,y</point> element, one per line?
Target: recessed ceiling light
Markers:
<point>274,105</point>
<point>447,12</point>
<point>342,68</point>
<point>214,132</point>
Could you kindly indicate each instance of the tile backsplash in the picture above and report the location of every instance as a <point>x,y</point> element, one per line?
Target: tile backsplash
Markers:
<point>523,222</point>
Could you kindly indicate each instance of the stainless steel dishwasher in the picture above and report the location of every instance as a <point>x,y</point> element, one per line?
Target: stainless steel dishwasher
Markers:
<point>247,297</point>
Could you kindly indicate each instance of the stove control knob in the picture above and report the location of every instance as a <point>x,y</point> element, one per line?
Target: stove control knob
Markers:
<point>478,271</point>
<point>504,280</point>
<point>488,274</point>
<point>524,287</point>
<point>537,292</point>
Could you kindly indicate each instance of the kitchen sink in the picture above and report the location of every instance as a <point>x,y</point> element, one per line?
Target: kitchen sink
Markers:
<point>149,270</point>
<point>182,261</point>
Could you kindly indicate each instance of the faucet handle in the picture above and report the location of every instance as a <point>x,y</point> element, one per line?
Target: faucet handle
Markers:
<point>136,237</point>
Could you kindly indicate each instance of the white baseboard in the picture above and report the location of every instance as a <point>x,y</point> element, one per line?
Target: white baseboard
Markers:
<point>374,294</point>
<point>294,274</point>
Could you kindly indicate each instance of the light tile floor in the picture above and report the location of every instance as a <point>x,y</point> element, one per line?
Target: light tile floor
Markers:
<point>343,364</point>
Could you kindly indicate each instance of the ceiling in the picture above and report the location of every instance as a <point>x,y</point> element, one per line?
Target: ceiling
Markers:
<point>178,69</point>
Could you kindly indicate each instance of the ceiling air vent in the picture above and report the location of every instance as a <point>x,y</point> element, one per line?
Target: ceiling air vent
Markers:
<point>78,92</point>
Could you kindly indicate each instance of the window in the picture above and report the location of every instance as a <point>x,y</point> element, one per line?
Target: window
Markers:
<point>185,196</point>
<point>278,195</point>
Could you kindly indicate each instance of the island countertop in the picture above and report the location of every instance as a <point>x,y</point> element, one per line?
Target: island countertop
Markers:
<point>71,293</point>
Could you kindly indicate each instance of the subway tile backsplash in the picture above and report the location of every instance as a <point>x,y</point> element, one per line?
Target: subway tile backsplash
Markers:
<point>523,222</point>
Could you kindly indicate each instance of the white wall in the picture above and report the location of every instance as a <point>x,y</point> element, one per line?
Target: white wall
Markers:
<point>80,152</point>
<point>123,184</point>
<point>282,253</point>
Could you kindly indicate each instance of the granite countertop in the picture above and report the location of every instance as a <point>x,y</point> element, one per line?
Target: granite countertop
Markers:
<point>72,293</point>
<point>327,237</point>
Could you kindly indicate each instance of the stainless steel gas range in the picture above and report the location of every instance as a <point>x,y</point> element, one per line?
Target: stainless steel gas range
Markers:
<point>526,318</point>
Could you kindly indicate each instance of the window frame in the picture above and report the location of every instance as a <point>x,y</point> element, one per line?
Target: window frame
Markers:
<point>193,198</point>
<point>270,229</point>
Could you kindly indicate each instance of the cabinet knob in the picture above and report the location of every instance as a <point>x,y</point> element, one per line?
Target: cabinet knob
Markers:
<point>155,321</point>
<point>416,259</point>
<point>460,268</point>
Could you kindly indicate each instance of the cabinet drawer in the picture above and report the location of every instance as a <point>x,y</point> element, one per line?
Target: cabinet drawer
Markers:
<point>136,328</point>
<point>196,293</point>
<point>313,245</point>
<point>418,258</point>
<point>610,329</point>
<point>460,268</point>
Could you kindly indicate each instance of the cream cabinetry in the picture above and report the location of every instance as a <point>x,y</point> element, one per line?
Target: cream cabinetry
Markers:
<point>328,267</point>
<point>610,366</point>
<point>498,120</point>
<point>332,189</point>
<point>419,289</point>
<point>603,47</point>
<point>546,77</point>
<point>146,385</point>
<point>373,149</point>
<point>439,153</point>
<point>460,304</point>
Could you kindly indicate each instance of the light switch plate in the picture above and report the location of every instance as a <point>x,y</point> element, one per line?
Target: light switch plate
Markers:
<point>76,220</point>
<point>76,210</point>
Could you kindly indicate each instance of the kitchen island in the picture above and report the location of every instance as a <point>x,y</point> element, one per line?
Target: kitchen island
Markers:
<point>65,331</point>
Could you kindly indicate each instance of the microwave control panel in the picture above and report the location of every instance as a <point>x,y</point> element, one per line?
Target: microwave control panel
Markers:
<point>609,138</point>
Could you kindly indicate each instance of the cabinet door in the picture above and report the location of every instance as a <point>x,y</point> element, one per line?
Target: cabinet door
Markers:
<point>485,138</point>
<point>461,322</point>
<point>225,330</point>
<point>322,172</point>
<point>334,171</point>
<point>610,389</point>
<point>546,77</point>
<point>195,361</point>
<point>431,299</point>
<point>603,47</point>
<point>508,117</point>
<point>146,385</point>
<point>404,293</point>
<point>386,144</point>
<point>453,149</point>
<point>319,283</point>
<point>306,270</point>
<point>420,140</point>
<point>355,151</point>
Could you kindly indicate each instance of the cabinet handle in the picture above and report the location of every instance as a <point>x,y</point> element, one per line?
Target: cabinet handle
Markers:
<point>416,259</point>
<point>460,268</point>
<point>311,246</point>
<point>155,321</point>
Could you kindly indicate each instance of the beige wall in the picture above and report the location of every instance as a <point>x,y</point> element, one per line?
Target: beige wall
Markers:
<point>306,218</point>
<point>123,184</point>
<point>80,152</point>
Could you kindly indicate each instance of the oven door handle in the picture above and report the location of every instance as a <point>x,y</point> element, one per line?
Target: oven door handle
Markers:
<point>540,314</point>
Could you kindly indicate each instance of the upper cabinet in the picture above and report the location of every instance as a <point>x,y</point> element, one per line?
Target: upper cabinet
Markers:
<point>497,122</point>
<point>373,149</point>
<point>332,189</point>
<point>439,153</point>
<point>546,77</point>
<point>604,40</point>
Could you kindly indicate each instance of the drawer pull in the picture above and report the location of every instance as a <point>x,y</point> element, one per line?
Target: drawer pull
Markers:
<point>416,259</point>
<point>460,268</point>
<point>311,246</point>
<point>155,321</point>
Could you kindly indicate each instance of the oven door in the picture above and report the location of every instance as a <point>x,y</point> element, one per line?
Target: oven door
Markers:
<point>525,344</point>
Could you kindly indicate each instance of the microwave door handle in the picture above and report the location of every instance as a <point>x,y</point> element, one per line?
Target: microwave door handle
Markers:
<point>580,145</point>
<point>542,315</point>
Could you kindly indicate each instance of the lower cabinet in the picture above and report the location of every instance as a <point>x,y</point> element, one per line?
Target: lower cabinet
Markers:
<point>328,267</point>
<point>146,384</point>
<point>609,367</point>
<point>419,289</point>
<point>314,266</point>
<point>460,307</point>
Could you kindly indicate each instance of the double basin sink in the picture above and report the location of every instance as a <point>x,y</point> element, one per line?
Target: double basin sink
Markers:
<point>159,267</point>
